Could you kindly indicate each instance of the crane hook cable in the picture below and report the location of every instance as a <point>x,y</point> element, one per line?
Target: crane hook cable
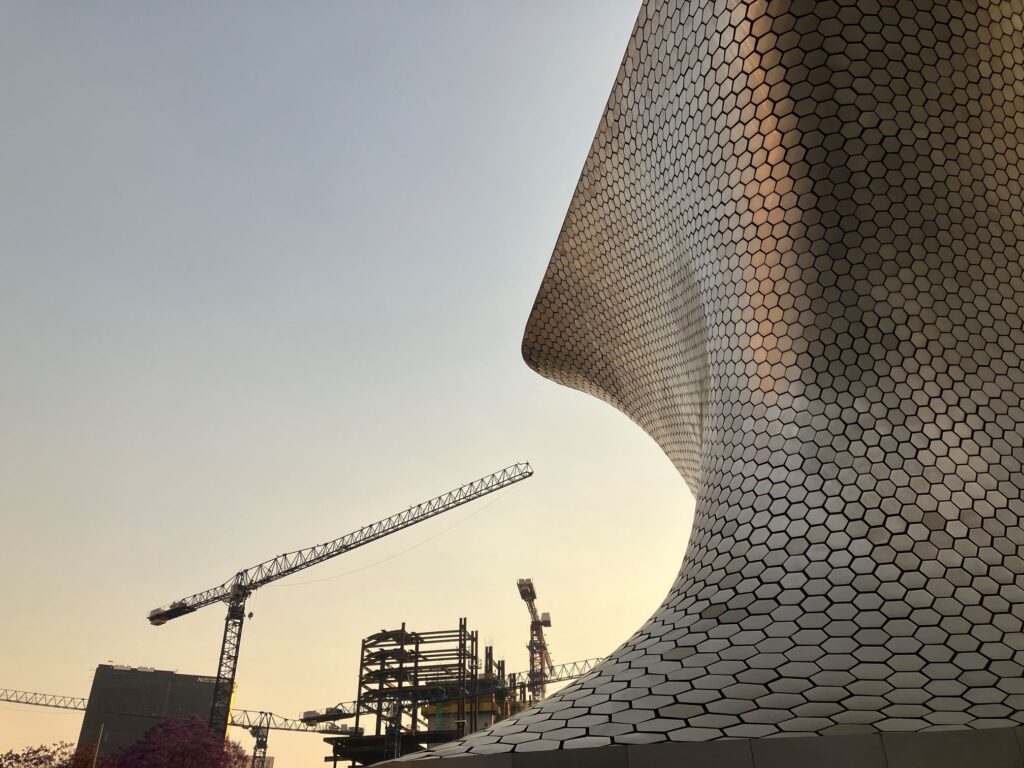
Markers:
<point>443,531</point>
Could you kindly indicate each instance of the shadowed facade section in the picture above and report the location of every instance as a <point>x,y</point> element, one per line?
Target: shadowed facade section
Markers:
<point>794,259</point>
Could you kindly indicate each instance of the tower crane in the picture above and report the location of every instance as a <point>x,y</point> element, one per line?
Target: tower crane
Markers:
<point>541,666</point>
<point>236,590</point>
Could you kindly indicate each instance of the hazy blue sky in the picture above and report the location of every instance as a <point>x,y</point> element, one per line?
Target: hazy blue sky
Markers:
<point>264,270</point>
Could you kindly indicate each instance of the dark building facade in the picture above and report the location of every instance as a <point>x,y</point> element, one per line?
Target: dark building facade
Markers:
<point>125,702</point>
<point>794,259</point>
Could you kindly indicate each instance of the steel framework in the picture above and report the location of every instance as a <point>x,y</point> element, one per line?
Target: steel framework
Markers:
<point>515,683</point>
<point>236,590</point>
<point>400,673</point>
<point>411,668</point>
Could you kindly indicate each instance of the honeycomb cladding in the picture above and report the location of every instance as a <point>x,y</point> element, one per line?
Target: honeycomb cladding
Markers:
<point>793,257</point>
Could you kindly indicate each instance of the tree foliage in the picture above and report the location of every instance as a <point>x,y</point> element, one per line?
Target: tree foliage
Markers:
<point>182,744</point>
<point>57,755</point>
<point>171,744</point>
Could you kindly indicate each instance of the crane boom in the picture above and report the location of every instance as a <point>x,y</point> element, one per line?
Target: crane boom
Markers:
<point>42,699</point>
<point>240,718</point>
<point>292,562</point>
<point>237,590</point>
<point>560,672</point>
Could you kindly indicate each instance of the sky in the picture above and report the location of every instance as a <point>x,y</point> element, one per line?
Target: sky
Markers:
<point>264,273</point>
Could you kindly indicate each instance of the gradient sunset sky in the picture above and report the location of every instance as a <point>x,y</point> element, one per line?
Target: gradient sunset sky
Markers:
<point>264,272</point>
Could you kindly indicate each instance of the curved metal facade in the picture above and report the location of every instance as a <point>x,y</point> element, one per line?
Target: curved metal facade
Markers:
<point>794,258</point>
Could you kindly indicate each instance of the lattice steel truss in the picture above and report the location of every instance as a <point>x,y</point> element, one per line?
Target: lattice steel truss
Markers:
<point>241,718</point>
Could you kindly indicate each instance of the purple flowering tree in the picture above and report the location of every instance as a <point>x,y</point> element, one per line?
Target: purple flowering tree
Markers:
<point>182,744</point>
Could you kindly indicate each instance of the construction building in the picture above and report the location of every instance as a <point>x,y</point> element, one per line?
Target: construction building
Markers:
<point>417,689</point>
<point>491,701</point>
<point>155,695</point>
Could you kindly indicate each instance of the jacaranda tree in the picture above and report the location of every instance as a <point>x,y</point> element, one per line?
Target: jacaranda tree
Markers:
<point>182,744</point>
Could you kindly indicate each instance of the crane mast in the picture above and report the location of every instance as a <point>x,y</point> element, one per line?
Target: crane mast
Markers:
<point>541,666</point>
<point>236,590</point>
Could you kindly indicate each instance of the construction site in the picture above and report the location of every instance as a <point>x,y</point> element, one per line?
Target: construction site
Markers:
<point>416,687</point>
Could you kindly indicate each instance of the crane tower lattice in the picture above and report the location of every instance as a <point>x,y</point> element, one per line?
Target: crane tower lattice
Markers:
<point>541,665</point>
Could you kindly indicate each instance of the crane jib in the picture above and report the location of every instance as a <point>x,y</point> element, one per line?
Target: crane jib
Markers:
<point>291,562</point>
<point>241,718</point>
